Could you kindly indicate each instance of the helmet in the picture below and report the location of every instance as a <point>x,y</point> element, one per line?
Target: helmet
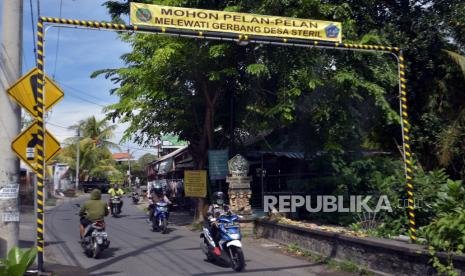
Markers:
<point>218,198</point>
<point>157,189</point>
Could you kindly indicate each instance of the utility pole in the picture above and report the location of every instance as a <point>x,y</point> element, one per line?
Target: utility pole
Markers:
<point>129,165</point>
<point>78,152</point>
<point>10,121</point>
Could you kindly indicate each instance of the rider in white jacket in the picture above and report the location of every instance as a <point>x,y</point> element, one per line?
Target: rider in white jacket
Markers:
<point>215,210</point>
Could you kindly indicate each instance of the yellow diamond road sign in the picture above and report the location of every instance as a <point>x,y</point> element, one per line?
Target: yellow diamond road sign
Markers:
<point>24,91</point>
<point>25,145</point>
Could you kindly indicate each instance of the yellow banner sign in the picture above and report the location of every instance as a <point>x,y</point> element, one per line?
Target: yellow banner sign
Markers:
<point>195,183</point>
<point>234,22</point>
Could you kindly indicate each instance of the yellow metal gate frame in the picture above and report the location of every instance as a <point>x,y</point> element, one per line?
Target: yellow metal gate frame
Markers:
<point>397,52</point>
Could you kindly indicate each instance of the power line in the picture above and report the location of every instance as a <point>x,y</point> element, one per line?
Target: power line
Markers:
<point>79,90</point>
<point>58,44</point>
<point>38,8</point>
<point>86,100</point>
<point>53,124</point>
<point>33,31</point>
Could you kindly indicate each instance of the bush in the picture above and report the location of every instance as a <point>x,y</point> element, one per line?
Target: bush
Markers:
<point>447,231</point>
<point>17,261</point>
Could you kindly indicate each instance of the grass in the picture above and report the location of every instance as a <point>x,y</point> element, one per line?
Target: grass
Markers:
<point>196,226</point>
<point>344,266</point>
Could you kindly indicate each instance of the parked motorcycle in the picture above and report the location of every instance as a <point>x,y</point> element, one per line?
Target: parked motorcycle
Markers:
<point>95,239</point>
<point>160,217</point>
<point>135,197</point>
<point>115,206</point>
<point>229,243</point>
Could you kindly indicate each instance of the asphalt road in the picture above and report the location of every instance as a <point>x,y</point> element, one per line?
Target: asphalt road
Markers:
<point>136,250</point>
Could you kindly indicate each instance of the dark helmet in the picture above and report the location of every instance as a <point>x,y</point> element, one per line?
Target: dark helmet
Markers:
<point>157,189</point>
<point>218,198</point>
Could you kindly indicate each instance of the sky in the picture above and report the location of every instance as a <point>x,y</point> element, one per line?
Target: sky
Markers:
<point>71,55</point>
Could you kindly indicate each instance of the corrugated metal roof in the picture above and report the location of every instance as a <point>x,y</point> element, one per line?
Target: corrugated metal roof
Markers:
<point>172,154</point>
<point>288,154</point>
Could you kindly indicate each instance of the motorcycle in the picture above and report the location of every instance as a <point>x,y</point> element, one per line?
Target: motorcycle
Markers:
<point>95,239</point>
<point>115,206</point>
<point>135,197</point>
<point>160,217</point>
<point>229,243</point>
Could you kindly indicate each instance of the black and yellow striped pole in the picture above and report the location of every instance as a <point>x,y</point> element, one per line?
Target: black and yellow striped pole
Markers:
<point>405,125</point>
<point>408,166</point>
<point>89,24</point>
<point>40,145</point>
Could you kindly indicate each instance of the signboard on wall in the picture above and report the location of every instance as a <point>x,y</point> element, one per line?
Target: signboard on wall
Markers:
<point>195,183</point>
<point>217,164</point>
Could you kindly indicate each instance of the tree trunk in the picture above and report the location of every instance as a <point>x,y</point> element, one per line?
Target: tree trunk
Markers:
<point>199,210</point>
<point>200,152</point>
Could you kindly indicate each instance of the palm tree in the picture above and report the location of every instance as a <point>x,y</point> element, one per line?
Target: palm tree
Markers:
<point>457,58</point>
<point>96,132</point>
<point>94,145</point>
<point>452,135</point>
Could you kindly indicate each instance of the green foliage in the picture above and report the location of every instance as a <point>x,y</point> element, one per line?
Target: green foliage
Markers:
<point>258,70</point>
<point>17,261</point>
<point>95,156</point>
<point>116,177</point>
<point>146,159</point>
<point>446,232</point>
<point>450,198</point>
<point>435,192</point>
<point>457,58</point>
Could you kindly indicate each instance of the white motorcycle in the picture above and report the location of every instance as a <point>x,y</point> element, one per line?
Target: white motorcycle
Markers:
<point>95,239</point>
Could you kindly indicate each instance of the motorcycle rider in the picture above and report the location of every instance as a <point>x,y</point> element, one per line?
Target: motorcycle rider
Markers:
<point>215,210</point>
<point>92,210</point>
<point>115,191</point>
<point>156,195</point>
<point>135,196</point>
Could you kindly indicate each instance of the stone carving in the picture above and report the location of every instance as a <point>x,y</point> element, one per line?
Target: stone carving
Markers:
<point>239,185</point>
<point>238,166</point>
<point>240,201</point>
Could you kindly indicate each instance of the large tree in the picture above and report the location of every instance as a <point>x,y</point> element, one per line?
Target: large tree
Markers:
<point>184,86</point>
<point>424,28</point>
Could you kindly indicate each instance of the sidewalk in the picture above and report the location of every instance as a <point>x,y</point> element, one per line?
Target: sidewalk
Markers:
<point>27,238</point>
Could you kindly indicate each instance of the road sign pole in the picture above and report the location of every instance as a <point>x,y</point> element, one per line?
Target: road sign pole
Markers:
<point>40,168</point>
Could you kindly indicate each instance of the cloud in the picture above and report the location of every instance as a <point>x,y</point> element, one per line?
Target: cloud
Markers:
<point>81,52</point>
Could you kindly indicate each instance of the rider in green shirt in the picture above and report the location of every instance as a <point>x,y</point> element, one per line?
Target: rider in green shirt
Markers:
<point>115,191</point>
<point>92,210</point>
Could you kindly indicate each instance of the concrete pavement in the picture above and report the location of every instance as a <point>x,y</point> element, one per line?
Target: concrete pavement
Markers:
<point>136,250</point>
